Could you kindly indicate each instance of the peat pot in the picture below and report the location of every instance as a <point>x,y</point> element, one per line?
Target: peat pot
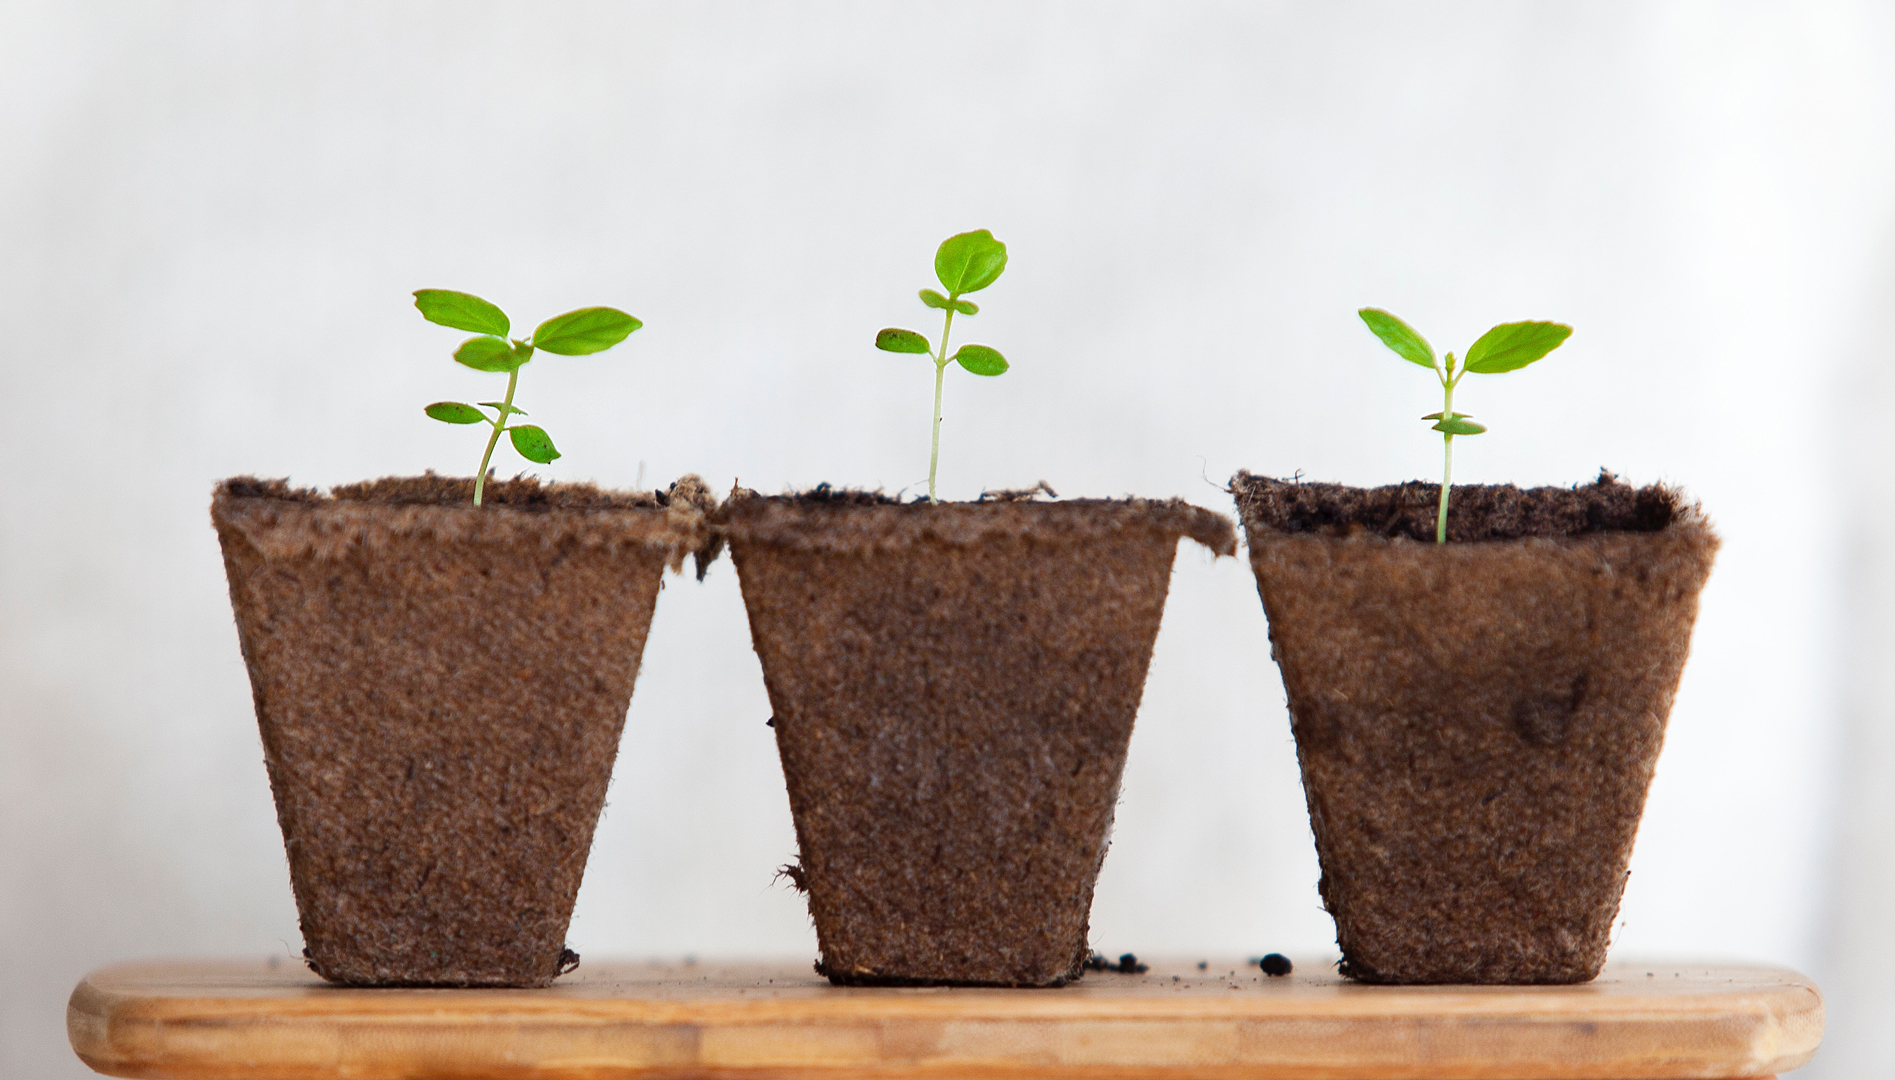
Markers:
<point>1477,721</point>
<point>954,687</point>
<point>440,689</point>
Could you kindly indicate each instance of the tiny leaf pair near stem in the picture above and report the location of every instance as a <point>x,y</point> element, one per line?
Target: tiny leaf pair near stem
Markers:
<point>964,263</point>
<point>576,333</point>
<point>1507,347</point>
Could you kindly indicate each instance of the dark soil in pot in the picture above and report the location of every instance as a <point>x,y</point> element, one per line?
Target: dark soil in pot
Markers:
<point>440,690</point>
<point>954,688</point>
<point>1477,722</point>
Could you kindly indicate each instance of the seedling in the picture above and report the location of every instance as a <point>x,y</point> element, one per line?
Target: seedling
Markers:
<point>576,333</point>
<point>1507,347</point>
<point>965,263</point>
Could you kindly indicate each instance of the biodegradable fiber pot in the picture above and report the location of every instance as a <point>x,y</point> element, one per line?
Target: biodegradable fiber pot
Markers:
<point>440,689</point>
<point>1476,722</point>
<point>954,688</point>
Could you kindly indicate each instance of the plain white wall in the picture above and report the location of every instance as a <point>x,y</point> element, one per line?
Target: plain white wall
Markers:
<point>211,217</point>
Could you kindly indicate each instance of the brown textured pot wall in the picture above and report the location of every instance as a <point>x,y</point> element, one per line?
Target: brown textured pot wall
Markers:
<point>954,689</point>
<point>440,691</point>
<point>1477,723</point>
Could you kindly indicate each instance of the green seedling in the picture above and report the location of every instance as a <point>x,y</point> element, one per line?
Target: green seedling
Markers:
<point>576,333</point>
<point>1507,347</point>
<point>965,263</point>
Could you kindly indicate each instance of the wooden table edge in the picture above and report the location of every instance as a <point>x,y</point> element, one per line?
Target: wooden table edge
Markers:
<point>865,1035</point>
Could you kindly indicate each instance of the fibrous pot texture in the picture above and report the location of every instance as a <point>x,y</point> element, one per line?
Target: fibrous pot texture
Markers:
<point>954,687</point>
<point>440,689</point>
<point>1476,722</point>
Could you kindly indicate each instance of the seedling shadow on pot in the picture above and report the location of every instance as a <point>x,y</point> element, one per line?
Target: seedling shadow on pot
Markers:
<point>1478,691</point>
<point>441,669</point>
<point>954,686</point>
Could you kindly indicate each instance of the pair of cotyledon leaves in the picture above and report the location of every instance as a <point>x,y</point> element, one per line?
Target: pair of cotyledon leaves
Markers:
<point>1507,347</point>
<point>966,263</point>
<point>576,333</point>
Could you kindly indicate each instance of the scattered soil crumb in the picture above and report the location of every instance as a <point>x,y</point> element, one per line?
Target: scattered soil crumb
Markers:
<point>1019,494</point>
<point>1127,965</point>
<point>798,881</point>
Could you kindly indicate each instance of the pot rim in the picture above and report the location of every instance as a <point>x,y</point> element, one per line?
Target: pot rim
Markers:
<point>1503,514</point>
<point>855,521</point>
<point>283,522</point>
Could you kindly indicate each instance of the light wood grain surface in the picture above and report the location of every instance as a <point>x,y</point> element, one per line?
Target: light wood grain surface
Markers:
<point>257,1020</point>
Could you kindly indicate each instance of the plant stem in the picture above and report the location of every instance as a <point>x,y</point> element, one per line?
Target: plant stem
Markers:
<point>499,425</point>
<point>1447,472</point>
<point>1447,456</point>
<point>940,371</point>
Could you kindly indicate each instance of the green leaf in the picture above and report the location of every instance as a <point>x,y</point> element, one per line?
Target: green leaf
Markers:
<point>462,311</point>
<point>936,300</point>
<point>455,412</point>
<point>903,341</point>
<point>533,443</point>
<point>1399,336</point>
<point>1459,427</point>
<point>1430,416</point>
<point>1514,345</point>
<point>487,354</point>
<point>981,360</point>
<point>508,410</point>
<point>587,330</point>
<point>969,262</point>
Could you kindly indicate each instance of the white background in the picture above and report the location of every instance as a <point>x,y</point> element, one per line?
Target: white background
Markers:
<point>211,217</point>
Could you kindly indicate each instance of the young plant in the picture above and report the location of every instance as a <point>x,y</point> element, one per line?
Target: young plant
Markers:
<point>964,264</point>
<point>576,333</point>
<point>1507,347</point>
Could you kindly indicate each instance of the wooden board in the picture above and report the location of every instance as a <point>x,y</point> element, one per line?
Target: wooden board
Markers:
<point>257,1020</point>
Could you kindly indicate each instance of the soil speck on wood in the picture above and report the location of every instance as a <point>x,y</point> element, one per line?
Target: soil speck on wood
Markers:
<point>1127,964</point>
